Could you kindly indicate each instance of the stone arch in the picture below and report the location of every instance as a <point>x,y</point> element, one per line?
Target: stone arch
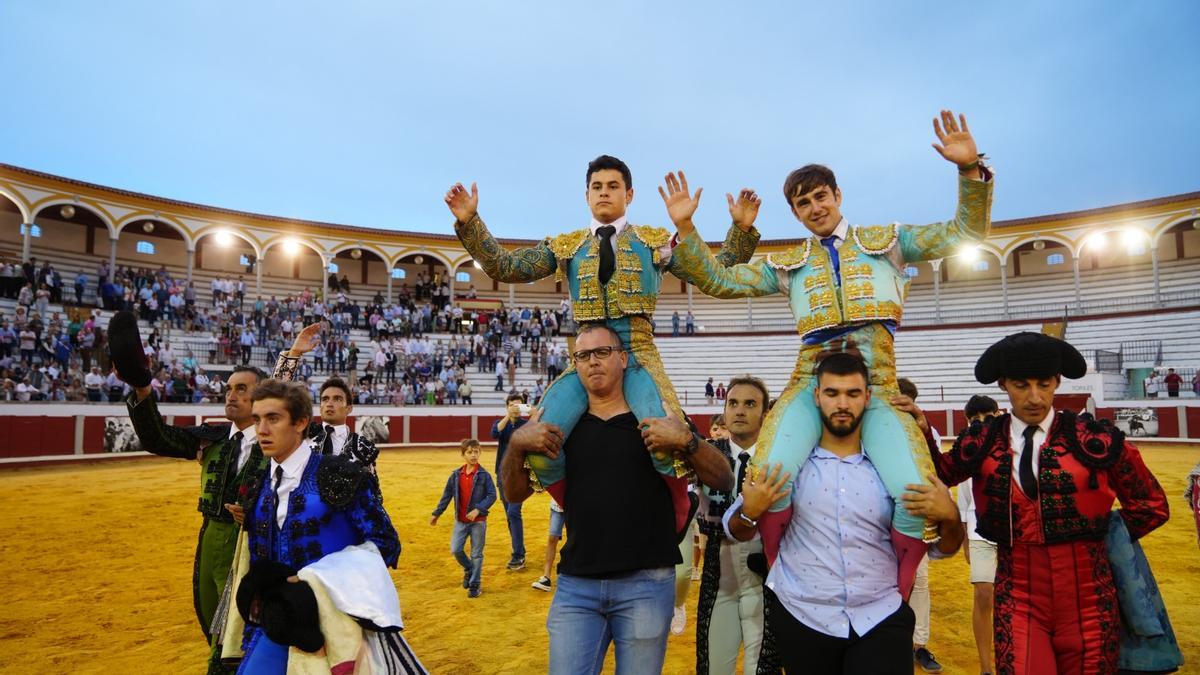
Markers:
<point>169,221</point>
<point>95,209</point>
<point>18,202</point>
<point>234,232</point>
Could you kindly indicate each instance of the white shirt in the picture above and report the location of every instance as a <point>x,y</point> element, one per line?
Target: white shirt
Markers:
<point>340,433</point>
<point>1017,442</point>
<point>840,232</point>
<point>966,510</point>
<point>664,252</point>
<point>249,435</point>
<point>293,469</point>
<point>736,450</point>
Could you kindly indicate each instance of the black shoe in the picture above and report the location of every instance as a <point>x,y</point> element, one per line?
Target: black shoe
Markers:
<point>543,584</point>
<point>474,593</point>
<point>925,659</point>
<point>467,579</point>
<point>516,564</point>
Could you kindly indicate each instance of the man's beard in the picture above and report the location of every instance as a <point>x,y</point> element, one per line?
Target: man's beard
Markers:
<point>841,428</point>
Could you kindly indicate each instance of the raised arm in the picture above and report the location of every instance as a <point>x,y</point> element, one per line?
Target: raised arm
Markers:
<point>155,434</point>
<point>692,260</point>
<point>695,263</point>
<point>973,218</point>
<point>521,265</point>
<point>288,363</point>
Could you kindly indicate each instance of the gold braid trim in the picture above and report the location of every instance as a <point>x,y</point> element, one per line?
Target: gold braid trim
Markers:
<point>566,244</point>
<point>876,239</point>
<point>653,237</point>
<point>794,257</point>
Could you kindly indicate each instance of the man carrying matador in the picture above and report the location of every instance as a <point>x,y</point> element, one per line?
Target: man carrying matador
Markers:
<point>846,287</point>
<point>614,270</point>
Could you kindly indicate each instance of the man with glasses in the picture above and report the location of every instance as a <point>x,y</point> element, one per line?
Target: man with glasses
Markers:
<point>624,518</point>
<point>614,271</point>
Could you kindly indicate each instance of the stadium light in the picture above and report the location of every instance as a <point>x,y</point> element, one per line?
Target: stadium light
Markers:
<point>1131,238</point>
<point>1097,242</point>
<point>224,239</point>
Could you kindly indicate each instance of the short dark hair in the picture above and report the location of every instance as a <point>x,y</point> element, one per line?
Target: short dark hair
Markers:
<point>842,363</point>
<point>514,397</point>
<point>258,372</point>
<point>717,420</point>
<point>980,405</point>
<point>609,162</point>
<point>599,325</point>
<point>907,387</point>
<point>293,394</point>
<point>751,381</point>
<point>466,444</point>
<point>806,179</point>
<point>338,383</point>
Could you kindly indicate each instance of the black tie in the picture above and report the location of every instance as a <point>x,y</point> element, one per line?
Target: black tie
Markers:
<point>744,458</point>
<point>608,260</point>
<point>236,443</point>
<point>1028,479</point>
<point>278,483</point>
<point>327,448</point>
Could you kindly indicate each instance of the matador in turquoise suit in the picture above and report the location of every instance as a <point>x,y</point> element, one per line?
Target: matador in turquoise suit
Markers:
<point>614,270</point>
<point>846,288</point>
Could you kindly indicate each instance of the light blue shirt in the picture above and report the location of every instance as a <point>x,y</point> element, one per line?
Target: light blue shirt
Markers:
<point>837,567</point>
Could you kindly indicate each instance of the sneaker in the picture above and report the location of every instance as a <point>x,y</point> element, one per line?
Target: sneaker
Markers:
<point>542,584</point>
<point>925,659</point>
<point>679,620</point>
<point>474,593</point>
<point>516,564</point>
<point>467,579</point>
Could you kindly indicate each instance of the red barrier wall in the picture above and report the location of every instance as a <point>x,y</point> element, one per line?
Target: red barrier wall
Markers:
<point>436,429</point>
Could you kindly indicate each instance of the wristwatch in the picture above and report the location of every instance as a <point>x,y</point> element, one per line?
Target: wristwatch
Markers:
<point>747,519</point>
<point>692,446</point>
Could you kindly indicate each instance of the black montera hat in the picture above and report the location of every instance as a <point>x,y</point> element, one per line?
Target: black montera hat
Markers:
<point>1025,355</point>
<point>125,350</point>
<point>286,611</point>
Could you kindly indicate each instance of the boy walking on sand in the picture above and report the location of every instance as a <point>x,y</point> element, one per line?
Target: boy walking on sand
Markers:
<point>474,492</point>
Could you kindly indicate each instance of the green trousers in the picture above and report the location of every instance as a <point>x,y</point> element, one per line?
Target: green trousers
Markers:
<point>214,556</point>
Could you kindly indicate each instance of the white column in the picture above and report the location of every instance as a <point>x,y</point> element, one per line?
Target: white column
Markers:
<point>112,257</point>
<point>191,262</point>
<point>749,313</point>
<point>26,241</point>
<point>512,295</point>
<point>1154,266</point>
<point>259,263</point>
<point>1075,268</point>
<point>324,278</point>
<point>937,289</point>
<point>389,286</point>
<point>1004,285</point>
<point>689,287</point>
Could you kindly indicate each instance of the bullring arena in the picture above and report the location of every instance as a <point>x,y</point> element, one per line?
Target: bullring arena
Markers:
<point>99,537</point>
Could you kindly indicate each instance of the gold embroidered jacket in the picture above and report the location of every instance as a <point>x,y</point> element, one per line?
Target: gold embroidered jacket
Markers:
<point>871,261</point>
<point>633,288</point>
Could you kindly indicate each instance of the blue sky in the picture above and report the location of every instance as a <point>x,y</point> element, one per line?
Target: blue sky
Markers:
<point>364,112</point>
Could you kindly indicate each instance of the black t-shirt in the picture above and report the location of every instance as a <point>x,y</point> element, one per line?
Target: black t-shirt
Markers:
<point>619,515</point>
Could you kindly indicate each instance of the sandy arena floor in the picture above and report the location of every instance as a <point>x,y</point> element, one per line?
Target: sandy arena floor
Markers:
<point>98,564</point>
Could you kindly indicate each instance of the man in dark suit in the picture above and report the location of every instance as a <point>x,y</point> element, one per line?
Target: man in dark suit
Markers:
<point>229,457</point>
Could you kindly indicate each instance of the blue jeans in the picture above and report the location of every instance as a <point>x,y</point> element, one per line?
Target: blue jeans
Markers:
<point>516,527</point>
<point>458,539</point>
<point>633,610</point>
